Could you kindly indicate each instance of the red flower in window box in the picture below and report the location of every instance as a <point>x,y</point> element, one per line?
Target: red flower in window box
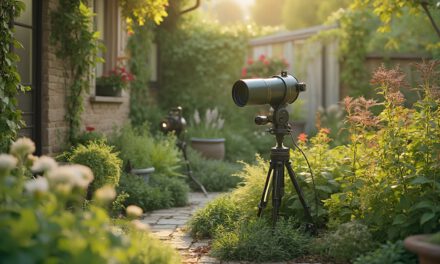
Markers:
<point>90,128</point>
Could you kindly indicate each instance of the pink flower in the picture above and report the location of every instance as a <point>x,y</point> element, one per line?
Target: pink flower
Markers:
<point>243,72</point>
<point>262,57</point>
<point>250,61</point>
<point>302,137</point>
<point>266,62</point>
<point>325,131</point>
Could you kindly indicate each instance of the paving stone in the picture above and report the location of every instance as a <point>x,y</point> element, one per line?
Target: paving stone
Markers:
<point>171,222</point>
<point>157,226</point>
<point>208,260</point>
<point>163,233</point>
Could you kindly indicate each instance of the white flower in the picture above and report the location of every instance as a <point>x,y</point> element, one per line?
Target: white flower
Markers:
<point>134,211</point>
<point>105,194</point>
<point>7,162</point>
<point>44,164</point>
<point>220,123</point>
<point>22,147</point>
<point>84,175</point>
<point>39,184</point>
<point>73,175</point>
<point>196,117</point>
<point>139,225</point>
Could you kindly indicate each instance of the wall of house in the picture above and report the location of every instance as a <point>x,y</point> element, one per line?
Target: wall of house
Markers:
<point>100,113</point>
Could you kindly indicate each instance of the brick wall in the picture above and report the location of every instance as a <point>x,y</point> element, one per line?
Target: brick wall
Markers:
<point>102,115</point>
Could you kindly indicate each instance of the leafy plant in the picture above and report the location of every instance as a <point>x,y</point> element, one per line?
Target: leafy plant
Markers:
<point>221,212</point>
<point>78,45</point>
<point>140,149</point>
<point>102,160</point>
<point>347,242</point>
<point>10,82</point>
<point>44,218</point>
<point>215,175</point>
<point>160,192</point>
<point>258,241</point>
<point>119,78</point>
<point>264,67</point>
<point>388,253</point>
<point>209,126</point>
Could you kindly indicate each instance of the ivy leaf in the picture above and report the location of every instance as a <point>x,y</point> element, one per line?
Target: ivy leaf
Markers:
<point>426,217</point>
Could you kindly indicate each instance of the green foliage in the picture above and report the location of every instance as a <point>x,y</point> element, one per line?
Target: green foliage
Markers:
<point>435,238</point>
<point>215,175</point>
<point>388,253</point>
<point>102,160</point>
<point>212,57</point>
<point>258,241</point>
<point>160,192</point>
<point>220,213</point>
<point>142,150</point>
<point>140,12</point>
<point>88,136</point>
<point>347,242</point>
<point>44,219</point>
<point>10,86</point>
<point>78,46</point>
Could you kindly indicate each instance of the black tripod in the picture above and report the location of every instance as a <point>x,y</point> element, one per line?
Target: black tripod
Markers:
<point>279,160</point>
<point>182,146</point>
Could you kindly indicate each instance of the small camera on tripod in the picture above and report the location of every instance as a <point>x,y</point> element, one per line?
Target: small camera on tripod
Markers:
<point>173,122</point>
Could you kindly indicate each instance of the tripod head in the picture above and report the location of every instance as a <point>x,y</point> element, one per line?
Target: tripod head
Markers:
<point>280,123</point>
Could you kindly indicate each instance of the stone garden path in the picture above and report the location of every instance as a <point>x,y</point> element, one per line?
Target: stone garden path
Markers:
<point>169,226</point>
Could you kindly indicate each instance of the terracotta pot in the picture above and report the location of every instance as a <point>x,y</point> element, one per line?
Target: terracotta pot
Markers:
<point>210,148</point>
<point>428,253</point>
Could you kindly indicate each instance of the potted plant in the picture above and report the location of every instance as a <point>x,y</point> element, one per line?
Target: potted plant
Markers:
<point>427,247</point>
<point>113,83</point>
<point>206,134</point>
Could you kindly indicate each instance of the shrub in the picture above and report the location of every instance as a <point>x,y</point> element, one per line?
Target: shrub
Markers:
<point>88,136</point>
<point>102,160</point>
<point>258,241</point>
<point>220,212</point>
<point>44,219</point>
<point>347,242</point>
<point>138,147</point>
<point>215,175</point>
<point>160,192</point>
<point>388,253</point>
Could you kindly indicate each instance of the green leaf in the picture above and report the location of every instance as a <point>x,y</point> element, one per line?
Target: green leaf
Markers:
<point>426,217</point>
<point>421,180</point>
<point>423,204</point>
<point>324,188</point>
<point>399,219</point>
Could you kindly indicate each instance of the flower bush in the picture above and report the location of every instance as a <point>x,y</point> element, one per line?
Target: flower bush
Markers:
<point>43,219</point>
<point>118,78</point>
<point>263,67</point>
<point>386,178</point>
<point>208,126</point>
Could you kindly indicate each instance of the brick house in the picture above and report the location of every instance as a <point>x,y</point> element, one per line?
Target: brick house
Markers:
<point>44,107</point>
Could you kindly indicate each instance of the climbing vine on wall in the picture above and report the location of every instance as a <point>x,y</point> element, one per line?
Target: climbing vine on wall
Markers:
<point>78,46</point>
<point>10,116</point>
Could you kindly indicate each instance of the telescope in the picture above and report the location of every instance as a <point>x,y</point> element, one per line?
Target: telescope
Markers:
<point>173,122</point>
<point>276,91</point>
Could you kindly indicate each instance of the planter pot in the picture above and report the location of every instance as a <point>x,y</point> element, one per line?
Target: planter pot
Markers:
<point>428,253</point>
<point>144,173</point>
<point>108,91</point>
<point>210,148</point>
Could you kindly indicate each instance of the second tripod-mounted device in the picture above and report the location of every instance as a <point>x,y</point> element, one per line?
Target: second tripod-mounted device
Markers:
<point>176,123</point>
<point>278,92</point>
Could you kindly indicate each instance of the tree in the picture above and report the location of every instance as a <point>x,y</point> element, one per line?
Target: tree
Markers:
<point>261,15</point>
<point>300,14</point>
<point>385,10</point>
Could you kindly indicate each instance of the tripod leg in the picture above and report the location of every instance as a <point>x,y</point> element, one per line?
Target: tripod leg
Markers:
<point>277,195</point>
<point>182,146</point>
<point>300,194</point>
<point>266,192</point>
